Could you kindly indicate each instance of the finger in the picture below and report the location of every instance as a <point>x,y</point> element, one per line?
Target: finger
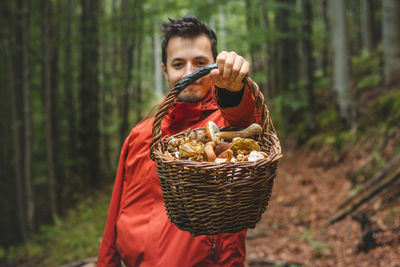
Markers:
<point>244,70</point>
<point>215,75</point>
<point>221,58</point>
<point>228,65</point>
<point>237,66</point>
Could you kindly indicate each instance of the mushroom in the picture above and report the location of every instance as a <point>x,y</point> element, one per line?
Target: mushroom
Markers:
<point>201,136</point>
<point>173,144</point>
<point>228,154</point>
<point>256,155</point>
<point>211,131</point>
<point>209,150</point>
<point>244,146</point>
<point>241,157</point>
<point>221,147</point>
<point>191,134</point>
<point>247,132</point>
<point>190,148</point>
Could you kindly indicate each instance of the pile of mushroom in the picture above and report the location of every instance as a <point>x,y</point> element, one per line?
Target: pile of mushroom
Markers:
<point>212,145</point>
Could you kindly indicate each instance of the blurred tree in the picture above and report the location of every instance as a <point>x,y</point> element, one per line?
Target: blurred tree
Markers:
<point>88,94</point>
<point>69,107</point>
<point>308,64</point>
<point>138,52</point>
<point>286,60</point>
<point>341,81</point>
<point>366,29</point>
<point>13,217</point>
<point>391,40</point>
<point>23,18</point>
<point>50,111</point>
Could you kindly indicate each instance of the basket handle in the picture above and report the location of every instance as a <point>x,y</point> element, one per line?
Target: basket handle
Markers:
<point>182,84</point>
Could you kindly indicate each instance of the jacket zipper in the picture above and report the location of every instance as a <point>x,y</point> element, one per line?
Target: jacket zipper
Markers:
<point>212,252</point>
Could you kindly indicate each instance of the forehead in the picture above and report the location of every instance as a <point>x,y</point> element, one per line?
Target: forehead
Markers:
<point>189,47</point>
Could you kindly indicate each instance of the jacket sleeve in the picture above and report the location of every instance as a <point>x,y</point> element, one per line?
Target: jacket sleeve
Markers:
<point>108,254</point>
<point>243,114</point>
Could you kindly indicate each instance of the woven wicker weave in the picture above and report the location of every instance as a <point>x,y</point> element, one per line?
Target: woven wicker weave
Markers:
<point>207,198</point>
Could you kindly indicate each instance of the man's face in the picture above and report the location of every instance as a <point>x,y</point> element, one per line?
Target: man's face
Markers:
<point>184,56</point>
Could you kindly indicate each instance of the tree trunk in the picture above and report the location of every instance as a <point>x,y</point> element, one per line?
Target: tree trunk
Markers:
<point>376,22</point>
<point>8,24</point>
<point>158,76</point>
<point>138,63</point>
<point>325,50</point>
<point>341,62</point>
<point>267,88</point>
<point>49,105</point>
<point>308,64</point>
<point>89,115</point>
<point>29,189</point>
<point>366,28</point>
<point>127,45</point>
<point>287,58</point>
<point>222,18</point>
<point>69,93</point>
<point>391,41</point>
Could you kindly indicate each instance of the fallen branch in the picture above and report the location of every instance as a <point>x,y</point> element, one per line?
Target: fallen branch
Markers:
<point>393,163</point>
<point>366,195</point>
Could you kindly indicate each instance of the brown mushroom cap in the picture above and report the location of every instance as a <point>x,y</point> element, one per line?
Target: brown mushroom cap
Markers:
<point>221,147</point>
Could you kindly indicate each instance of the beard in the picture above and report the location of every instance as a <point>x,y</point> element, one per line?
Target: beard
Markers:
<point>192,94</point>
<point>189,97</point>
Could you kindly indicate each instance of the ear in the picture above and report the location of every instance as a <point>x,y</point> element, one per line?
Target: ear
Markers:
<point>164,69</point>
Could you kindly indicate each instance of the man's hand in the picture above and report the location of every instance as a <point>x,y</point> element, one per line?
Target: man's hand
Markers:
<point>232,69</point>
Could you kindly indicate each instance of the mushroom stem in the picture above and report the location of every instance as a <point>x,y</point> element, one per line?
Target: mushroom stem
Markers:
<point>248,132</point>
<point>209,150</point>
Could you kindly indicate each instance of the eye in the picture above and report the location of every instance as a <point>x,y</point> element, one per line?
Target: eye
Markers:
<point>200,63</point>
<point>177,65</point>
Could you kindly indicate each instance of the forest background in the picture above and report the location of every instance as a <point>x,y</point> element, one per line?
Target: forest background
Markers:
<point>76,76</point>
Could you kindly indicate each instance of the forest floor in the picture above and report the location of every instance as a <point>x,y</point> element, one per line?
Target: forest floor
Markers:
<point>309,187</point>
<point>307,191</point>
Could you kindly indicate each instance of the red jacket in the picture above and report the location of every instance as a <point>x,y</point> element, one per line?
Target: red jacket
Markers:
<point>138,230</point>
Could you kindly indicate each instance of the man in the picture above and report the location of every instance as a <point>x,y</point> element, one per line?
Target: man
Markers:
<point>138,231</point>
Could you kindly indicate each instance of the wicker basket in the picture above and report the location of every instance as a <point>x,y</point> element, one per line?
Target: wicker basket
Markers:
<point>207,198</point>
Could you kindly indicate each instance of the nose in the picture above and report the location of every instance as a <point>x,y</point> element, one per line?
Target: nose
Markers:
<point>189,69</point>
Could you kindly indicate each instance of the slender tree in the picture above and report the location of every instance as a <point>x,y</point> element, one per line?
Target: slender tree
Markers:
<point>391,40</point>
<point>366,29</point>
<point>29,189</point>
<point>308,63</point>
<point>128,43</point>
<point>341,62</point>
<point>286,77</point>
<point>267,88</point>
<point>49,104</point>
<point>19,230</point>
<point>138,62</point>
<point>158,83</point>
<point>88,95</point>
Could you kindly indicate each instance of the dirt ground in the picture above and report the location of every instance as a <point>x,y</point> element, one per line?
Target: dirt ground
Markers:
<point>293,230</point>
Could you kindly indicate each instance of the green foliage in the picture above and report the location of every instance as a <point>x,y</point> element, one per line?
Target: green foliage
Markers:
<point>74,237</point>
<point>319,247</point>
<point>368,69</point>
<point>392,216</point>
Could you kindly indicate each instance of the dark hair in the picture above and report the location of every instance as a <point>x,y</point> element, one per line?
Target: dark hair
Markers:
<point>187,26</point>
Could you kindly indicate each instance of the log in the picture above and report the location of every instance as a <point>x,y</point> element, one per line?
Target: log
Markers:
<point>366,195</point>
<point>393,163</point>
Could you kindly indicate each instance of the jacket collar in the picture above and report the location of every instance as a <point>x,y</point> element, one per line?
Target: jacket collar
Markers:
<point>182,115</point>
